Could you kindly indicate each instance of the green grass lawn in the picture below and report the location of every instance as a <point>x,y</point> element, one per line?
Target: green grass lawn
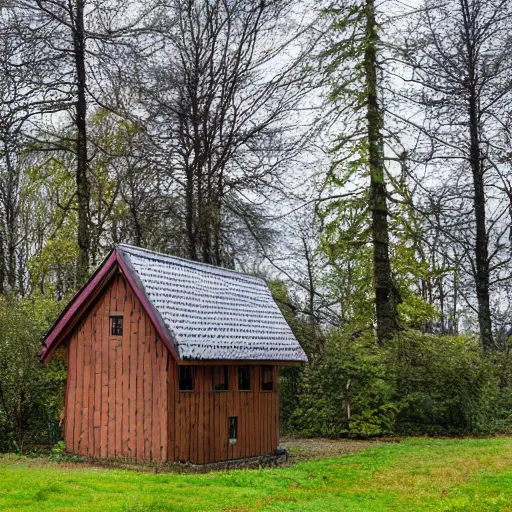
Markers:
<point>416,474</point>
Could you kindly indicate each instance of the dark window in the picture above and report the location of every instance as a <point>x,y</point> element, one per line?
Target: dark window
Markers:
<point>244,378</point>
<point>267,378</point>
<point>116,325</point>
<point>220,378</point>
<point>233,429</point>
<point>186,379</point>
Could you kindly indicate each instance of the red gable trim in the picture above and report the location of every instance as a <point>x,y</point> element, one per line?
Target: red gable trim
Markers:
<point>53,337</point>
<point>138,288</point>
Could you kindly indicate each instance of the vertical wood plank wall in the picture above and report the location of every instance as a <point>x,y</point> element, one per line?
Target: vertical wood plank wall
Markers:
<point>200,432</point>
<point>123,399</point>
<point>117,386</point>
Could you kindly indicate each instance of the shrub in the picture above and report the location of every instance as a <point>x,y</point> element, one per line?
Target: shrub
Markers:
<point>345,393</point>
<point>443,385</point>
<point>30,393</point>
<point>419,384</point>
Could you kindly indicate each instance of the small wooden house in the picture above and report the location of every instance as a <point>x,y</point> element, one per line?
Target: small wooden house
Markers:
<point>171,360</point>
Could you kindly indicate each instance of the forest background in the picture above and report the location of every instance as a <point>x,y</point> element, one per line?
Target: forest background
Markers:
<point>356,154</point>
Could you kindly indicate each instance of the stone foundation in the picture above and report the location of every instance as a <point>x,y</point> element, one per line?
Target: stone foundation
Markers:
<point>262,461</point>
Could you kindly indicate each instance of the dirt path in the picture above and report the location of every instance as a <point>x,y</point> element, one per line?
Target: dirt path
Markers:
<point>302,449</point>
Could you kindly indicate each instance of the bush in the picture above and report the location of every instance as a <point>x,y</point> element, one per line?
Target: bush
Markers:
<point>346,392</point>
<point>444,385</point>
<point>31,394</point>
<point>419,384</point>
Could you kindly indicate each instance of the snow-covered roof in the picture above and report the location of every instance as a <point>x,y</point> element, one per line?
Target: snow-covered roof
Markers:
<point>200,311</point>
<point>211,312</point>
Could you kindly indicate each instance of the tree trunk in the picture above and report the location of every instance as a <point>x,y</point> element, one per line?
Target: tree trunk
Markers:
<point>10,218</point>
<point>454,328</point>
<point>481,241</point>
<point>2,261</point>
<point>475,157</point>
<point>385,303</point>
<point>190,212</point>
<point>82,179</point>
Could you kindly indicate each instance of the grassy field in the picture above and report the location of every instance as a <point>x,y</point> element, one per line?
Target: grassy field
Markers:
<point>416,474</point>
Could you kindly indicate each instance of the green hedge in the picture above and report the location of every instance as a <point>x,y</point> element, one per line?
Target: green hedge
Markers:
<point>419,384</point>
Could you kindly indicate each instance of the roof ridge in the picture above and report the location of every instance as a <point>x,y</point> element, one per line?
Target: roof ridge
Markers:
<point>192,263</point>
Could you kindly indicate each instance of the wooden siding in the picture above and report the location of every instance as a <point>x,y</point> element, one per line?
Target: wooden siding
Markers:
<point>200,432</point>
<point>117,386</point>
<point>123,401</point>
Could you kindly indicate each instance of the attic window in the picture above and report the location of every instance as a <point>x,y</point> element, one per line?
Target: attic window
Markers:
<point>267,378</point>
<point>116,325</point>
<point>186,378</point>
<point>220,378</point>
<point>244,378</point>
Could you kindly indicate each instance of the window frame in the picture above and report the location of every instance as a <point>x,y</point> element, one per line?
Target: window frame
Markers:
<point>263,368</point>
<point>225,368</point>
<point>181,379</point>
<point>111,320</point>
<point>247,368</point>
<point>233,423</point>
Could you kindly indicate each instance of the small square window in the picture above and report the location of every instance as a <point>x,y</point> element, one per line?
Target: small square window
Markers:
<point>220,378</point>
<point>244,378</point>
<point>186,379</point>
<point>233,429</point>
<point>116,325</point>
<point>267,378</point>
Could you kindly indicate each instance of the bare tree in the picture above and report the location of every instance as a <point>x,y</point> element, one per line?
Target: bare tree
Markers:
<point>73,36</point>
<point>222,114</point>
<point>459,53</point>
<point>21,60</point>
